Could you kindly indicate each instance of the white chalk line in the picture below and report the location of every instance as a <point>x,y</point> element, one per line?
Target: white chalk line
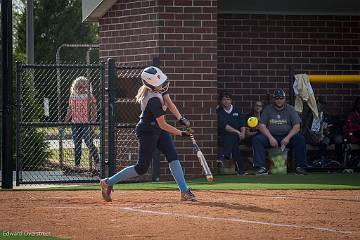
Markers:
<point>218,219</point>
<point>235,220</point>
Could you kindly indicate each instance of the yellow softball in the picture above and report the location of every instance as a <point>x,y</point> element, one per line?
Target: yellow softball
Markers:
<point>252,122</point>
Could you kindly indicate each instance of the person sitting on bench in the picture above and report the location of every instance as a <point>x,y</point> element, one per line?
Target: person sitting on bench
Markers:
<point>231,130</point>
<point>279,127</point>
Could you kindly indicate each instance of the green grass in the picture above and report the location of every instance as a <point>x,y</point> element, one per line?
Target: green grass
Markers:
<point>316,181</point>
<point>53,132</point>
<point>24,235</point>
<point>69,157</point>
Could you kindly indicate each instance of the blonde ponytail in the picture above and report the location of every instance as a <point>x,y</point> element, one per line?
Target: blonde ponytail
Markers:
<point>141,93</point>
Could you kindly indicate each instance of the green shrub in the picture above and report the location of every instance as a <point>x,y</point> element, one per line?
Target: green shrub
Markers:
<point>35,149</point>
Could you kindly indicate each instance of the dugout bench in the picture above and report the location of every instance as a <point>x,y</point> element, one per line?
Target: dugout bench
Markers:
<point>247,157</point>
<point>351,154</point>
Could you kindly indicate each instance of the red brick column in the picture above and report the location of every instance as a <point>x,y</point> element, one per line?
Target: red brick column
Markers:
<point>183,33</point>
<point>188,53</point>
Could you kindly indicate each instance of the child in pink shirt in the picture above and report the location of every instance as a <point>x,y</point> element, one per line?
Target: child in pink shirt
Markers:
<point>81,112</point>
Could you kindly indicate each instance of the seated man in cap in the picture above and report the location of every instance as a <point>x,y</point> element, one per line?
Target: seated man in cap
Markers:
<point>279,127</point>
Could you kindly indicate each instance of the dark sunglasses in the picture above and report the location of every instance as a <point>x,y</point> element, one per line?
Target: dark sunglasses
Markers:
<point>277,98</point>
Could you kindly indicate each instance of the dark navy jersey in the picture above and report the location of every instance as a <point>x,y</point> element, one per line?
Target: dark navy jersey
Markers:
<point>153,110</point>
<point>233,119</point>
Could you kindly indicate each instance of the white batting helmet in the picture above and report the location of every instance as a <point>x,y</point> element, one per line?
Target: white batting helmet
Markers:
<point>153,77</point>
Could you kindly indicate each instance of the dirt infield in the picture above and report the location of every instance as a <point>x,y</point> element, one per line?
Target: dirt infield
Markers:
<point>254,214</point>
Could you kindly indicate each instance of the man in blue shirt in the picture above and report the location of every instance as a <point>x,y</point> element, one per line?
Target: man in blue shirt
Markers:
<point>231,130</point>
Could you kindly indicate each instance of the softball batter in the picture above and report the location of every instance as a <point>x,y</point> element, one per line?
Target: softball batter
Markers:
<point>153,132</point>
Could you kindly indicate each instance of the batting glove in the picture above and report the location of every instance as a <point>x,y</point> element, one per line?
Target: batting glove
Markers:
<point>187,132</point>
<point>183,121</point>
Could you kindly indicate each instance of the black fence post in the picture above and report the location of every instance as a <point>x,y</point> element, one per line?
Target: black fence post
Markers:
<point>102,122</point>
<point>19,155</point>
<point>156,154</point>
<point>111,116</point>
<point>292,102</point>
<point>6,77</point>
<point>291,80</point>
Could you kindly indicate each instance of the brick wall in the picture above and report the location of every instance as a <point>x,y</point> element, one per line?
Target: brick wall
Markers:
<point>183,33</point>
<point>255,51</point>
<point>188,53</point>
<point>129,33</point>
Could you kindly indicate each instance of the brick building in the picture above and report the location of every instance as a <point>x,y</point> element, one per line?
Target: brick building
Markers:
<point>246,47</point>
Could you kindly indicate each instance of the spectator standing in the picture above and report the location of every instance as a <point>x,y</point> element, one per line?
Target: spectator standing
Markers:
<point>231,131</point>
<point>81,112</point>
<point>279,127</point>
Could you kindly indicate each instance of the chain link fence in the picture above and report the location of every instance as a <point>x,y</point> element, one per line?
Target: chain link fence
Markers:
<point>60,123</point>
<point>60,136</point>
<point>127,115</point>
<point>125,80</point>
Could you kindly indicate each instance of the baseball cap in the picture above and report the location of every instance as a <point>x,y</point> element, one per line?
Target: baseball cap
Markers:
<point>279,93</point>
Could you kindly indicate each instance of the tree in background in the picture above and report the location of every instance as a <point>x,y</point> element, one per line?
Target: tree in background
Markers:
<point>55,23</point>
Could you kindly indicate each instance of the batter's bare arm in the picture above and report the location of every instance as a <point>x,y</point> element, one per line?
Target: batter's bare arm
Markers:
<point>172,107</point>
<point>174,110</point>
<point>170,129</point>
